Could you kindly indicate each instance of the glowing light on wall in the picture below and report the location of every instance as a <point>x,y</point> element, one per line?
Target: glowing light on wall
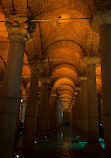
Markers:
<point>65,17</point>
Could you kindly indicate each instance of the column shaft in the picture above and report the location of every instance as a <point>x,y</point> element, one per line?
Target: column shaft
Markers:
<point>74,114</point>
<point>43,111</point>
<point>83,126</point>
<point>49,111</point>
<point>93,131</point>
<point>59,116</point>
<point>31,112</point>
<point>105,48</point>
<point>78,110</point>
<point>53,113</point>
<point>10,97</point>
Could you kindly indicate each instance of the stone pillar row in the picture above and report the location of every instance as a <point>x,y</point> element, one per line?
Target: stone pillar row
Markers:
<point>10,90</point>
<point>86,107</point>
<point>101,23</point>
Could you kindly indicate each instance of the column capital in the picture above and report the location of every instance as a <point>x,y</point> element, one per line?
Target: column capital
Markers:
<point>35,67</point>
<point>45,79</point>
<point>91,60</point>
<point>83,78</point>
<point>101,17</point>
<point>19,29</point>
<point>77,88</point>
<point>53,95</point>
<point>75,93</point>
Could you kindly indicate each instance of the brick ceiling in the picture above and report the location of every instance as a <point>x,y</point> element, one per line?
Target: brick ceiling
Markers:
<point>61,43</point>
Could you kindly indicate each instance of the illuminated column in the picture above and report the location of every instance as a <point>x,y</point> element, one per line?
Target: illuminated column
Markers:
<point>32,107</point>
<point>102,23</point>
<point>78,109</point>
<point>43,109</point>
<point>11,88</point>
<point>93,125</point>
<point>74,111</point>
<point>83,126</point>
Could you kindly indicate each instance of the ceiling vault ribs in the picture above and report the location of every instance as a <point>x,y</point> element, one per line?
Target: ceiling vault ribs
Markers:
<point>62,38</point>
<point>45,51</point>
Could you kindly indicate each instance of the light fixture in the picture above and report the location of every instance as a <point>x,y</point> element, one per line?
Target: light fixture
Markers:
<point>21,100</point>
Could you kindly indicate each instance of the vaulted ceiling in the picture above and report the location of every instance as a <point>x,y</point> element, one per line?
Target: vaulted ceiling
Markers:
<point>62,38</point>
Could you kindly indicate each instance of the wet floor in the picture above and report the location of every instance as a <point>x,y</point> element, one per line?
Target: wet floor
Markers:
<point>66,143</point>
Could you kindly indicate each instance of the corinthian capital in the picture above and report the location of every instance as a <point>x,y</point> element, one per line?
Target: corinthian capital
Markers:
<point>36,67</point>
<point>45,79</point>
<point>91,60</point>
<point>18,29</point>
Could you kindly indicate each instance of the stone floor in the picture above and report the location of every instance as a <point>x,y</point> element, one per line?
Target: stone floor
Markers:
<point>65,144</point>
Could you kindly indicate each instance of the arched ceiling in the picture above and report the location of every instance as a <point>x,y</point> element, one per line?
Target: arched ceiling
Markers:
<point>63,81</point>
<point>66,91</point>
<point>61,43</point>
<point>65,70</point>
<point>40,7</point>
<point>66,96</point>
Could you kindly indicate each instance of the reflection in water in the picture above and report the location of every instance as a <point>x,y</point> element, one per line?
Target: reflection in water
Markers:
<point>65,144</point>
<point>65,152</point>
<point>62,135</point>
<point>65,149</point>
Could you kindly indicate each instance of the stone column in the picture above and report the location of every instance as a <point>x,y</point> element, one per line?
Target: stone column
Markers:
<point>23,109</point>
<point>49,110</point>
<point>59,116</point>
<point>66,115</point>
<point>32,107</point>
<point>9,97</point>
<point>99,108</point>
<point>102,23</point>
<point>71,115</point>
<point>78,107</point>
<point>83,106</point>
<point>43,109</point>
<point>74,111</point>
<point>93,125</point>
<point>53,112</point>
